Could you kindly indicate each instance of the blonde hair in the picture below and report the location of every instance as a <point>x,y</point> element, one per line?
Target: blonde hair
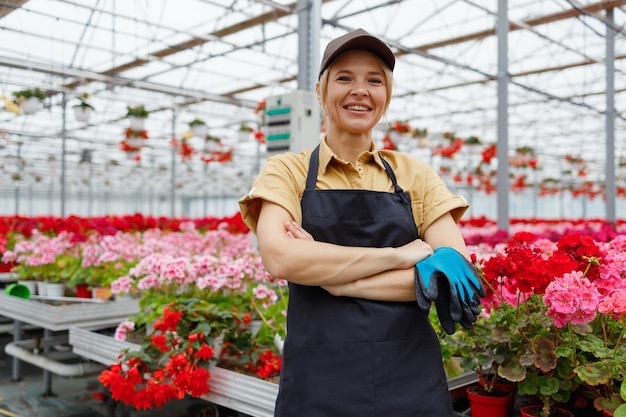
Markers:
<point>323,84</point>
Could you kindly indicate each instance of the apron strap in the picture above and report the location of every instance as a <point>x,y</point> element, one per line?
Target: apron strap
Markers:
<point>311,177</point>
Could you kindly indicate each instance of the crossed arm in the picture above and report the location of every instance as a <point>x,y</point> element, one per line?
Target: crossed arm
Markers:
<point>384,274</point>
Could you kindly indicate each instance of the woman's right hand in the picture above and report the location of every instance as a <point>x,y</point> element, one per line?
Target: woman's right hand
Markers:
<point>412,253</point>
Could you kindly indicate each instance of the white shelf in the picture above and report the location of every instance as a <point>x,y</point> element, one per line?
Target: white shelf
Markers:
<point>230,389</point>
<point>57,316</point>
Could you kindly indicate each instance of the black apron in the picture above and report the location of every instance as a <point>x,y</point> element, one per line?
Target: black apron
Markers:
<point>351,357</point>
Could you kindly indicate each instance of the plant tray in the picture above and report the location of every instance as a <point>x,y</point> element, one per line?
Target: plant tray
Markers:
<point>56,316</point>
<point>243,393</point>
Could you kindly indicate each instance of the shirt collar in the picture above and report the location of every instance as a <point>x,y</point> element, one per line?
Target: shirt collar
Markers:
<point>327,155</point>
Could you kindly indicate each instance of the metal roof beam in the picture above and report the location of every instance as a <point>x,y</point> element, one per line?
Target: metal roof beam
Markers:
<point>9,6</point>
<point>117,80</point>
<point>513,75</point>
<point>531,29</point>
<point>200,40</point>
<point>541,20</point>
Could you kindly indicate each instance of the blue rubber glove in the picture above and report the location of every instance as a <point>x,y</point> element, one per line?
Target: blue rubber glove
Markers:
<point>453,284</point>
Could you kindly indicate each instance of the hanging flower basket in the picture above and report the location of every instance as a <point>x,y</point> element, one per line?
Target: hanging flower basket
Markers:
<point>135,139</point>
<point>82,114</point>
<point>244,132</point>
<point>137,116</point>
<point>199,131</point>
<point>137,123</point>
<point>30,105</point>
<point>83,110</point>
<point>198,128</point>
<point>135,142</point>
<point>29,100</point>
<point>212,144</point>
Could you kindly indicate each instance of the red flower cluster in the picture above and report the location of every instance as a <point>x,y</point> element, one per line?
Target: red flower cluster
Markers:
<point>130,133</point>
<point>79,227</point>
<point>267,365</point>
<point>183,148</point>
<point>401,127</point>
<point>172,363</point>
<point>217,156</point>
<point>524,268</point>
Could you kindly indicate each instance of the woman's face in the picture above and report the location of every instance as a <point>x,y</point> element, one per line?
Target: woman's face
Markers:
<point>356,93</point>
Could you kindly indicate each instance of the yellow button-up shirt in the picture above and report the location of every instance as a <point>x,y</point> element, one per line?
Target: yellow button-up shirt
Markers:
<point>283,177</point>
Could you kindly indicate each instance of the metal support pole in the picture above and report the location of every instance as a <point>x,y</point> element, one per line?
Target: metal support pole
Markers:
<point>173,173</point>
<point>90,188</point>
<point>610,119</point>
<point>16,371</point>
<point>47,375</point>
<point>19,172</point>
<point>63,152</point>
<point>309,23</point>
<point>502,187</point>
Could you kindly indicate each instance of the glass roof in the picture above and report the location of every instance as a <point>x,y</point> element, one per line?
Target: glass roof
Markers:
<point>216,59</point>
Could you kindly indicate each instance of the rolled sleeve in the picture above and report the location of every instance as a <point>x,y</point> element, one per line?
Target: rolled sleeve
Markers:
<point>279,182</point>
<point>439,200</point>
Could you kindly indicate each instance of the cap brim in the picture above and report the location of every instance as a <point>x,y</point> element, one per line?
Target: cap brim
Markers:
<point>358,40</point>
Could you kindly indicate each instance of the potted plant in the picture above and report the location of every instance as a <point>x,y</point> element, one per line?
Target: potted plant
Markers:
<point>244,132</point>
<point>473,144</point>
<point>29,100</point>
<point>539,364</point>
<point>135,139</point>
<point>65,267</point>
<point>83,110</point>
<point>43,258</point>
<point>558,313</point>
<point>483,349</point>
<point>137,116</point>
<point>198,128</point>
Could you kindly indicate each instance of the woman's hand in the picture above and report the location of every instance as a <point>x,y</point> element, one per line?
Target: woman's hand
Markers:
<point>295,231</point>
<point>412,253</point>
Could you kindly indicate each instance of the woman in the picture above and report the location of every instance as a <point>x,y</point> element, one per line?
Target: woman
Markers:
<point>345,224</point>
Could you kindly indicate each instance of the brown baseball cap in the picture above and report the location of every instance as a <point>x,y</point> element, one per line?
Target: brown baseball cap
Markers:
<point>357,39</point>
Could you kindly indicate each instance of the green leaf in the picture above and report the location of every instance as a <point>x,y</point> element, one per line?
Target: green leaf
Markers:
<point>594,373</point>
<point>512,371</point>
<point>544,356</point>
<point>548,386</point>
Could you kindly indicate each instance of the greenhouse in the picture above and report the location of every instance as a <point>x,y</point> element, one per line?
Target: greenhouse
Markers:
<point>137,140</point>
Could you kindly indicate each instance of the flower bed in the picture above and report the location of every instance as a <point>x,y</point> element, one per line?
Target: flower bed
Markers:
<point>552,320</point>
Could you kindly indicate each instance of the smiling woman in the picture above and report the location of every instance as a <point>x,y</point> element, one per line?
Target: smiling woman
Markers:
<point>337,223</point>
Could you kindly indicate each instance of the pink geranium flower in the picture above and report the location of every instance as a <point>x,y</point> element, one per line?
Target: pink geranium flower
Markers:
<point>571,299</point>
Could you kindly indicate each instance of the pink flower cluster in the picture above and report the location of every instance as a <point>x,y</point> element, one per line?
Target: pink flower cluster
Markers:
<point>571,299</point>
<point>39,249</point>
<point>215,261</point>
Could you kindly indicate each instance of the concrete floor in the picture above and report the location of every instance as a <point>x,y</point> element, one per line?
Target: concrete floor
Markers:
<point>74,397</point>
